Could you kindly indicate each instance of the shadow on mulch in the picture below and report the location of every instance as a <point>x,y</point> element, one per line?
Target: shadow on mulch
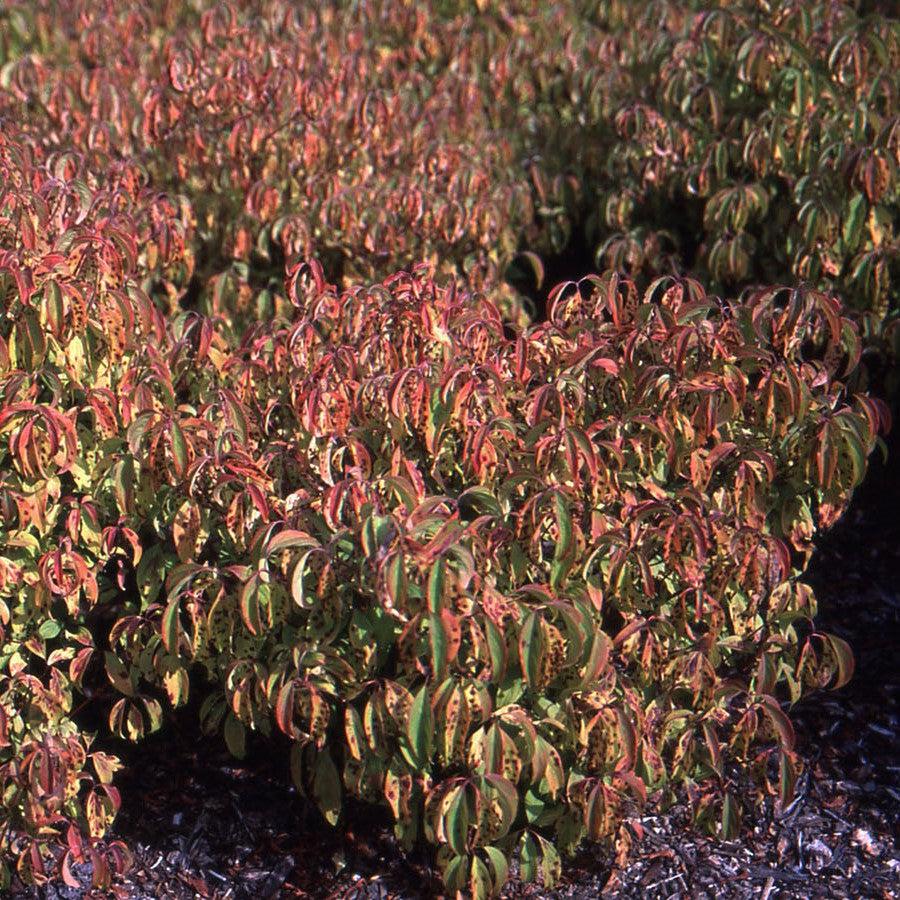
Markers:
<point>840,838</point>
<point>204,826</point>
<point>853,732</point>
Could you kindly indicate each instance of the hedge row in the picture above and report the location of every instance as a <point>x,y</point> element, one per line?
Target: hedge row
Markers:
<point>742,143</point>
<point>276,435</point>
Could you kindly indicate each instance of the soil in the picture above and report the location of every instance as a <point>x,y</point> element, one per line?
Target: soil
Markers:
<point>202,826</point>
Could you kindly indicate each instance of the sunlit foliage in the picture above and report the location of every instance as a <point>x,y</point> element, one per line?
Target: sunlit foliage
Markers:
<point>276,435</point>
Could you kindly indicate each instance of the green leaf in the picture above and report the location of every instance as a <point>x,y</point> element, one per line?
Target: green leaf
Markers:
<point>49,629</point>
<point>531,648</point>
<point>564,524</point>
<point>118,674</point>
<point>528,859</point>
<point>396,580</point>
<point>179,449</point>
<point>123,484</point>
<point>455,874</point>
<point>551,866</point>
<point>598,659</point>
<point>499,864</point>
<point>787,779</point>
<point>250,605</point>
<point>368,539</point>
<point>780,722</point>
<point>854,220</point>
<point>481,500</point>
<point>436,582</point>
<point>857,456</point>
<point>534,807</point>
<point>731,818</point>
<point>284,708</point>
<point>480,884</point>
<point>289,539</point>
<point>508,797</point>
<point>456,822</point>
<point>518,562</point>
<point>298,591</point>
<point>554,774</point>
<point>404,491</point>
<point>715,750</point>
<point>420,727</point>
<point>235,736</point>
<point>355,733</point>
<point>326,787</point>
<point>438,640</point>
<point>496,642</point>
<point>171,626</point>
<point>562,556</point>
<point>182,575</point>
<point>596,813</point>
<point>30,339</point>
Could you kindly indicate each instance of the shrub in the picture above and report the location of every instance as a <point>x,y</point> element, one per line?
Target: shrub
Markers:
<point>741,144</point>
<point>744,143</point>
<point>508,579</point>
<point>289,132</point>
<point>72,315</point>
<point>504,584</point>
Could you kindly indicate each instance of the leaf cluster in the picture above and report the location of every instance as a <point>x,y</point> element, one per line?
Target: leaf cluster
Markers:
<point>506,584</point>
<point>275,436</point>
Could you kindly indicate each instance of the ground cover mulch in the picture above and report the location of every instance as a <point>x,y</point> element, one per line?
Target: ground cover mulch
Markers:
<point>203,826</point>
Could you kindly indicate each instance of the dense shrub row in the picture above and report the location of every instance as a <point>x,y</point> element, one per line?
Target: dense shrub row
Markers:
<point>756,143</point>
<point>745,144</point>
<point>289,131</point>
<point>507,578</point>
<point>501,582</point>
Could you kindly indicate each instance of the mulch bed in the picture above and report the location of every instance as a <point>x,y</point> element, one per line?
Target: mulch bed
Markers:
<point>202,826</point>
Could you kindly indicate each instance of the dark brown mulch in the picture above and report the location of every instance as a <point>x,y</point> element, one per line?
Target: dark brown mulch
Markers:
<point>203,826</point>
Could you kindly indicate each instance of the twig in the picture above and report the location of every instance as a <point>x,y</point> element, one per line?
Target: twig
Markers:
<point>676,877</point>
<point>777,874</point>
<point>834,816</point>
